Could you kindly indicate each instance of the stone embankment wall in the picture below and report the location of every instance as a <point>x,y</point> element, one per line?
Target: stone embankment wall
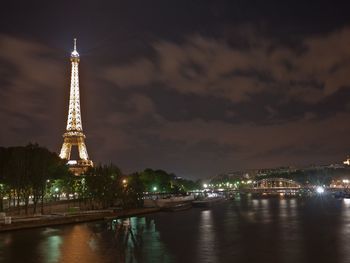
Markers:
<point>56,207</point>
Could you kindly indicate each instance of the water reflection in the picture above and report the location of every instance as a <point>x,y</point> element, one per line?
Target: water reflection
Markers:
<point>265,212</point>
<point>345,230</point>
<point>49,248</point>
<point>242,230</point>
<point>288,227</point>
<point>137,240</point>
<point>206,242</point>
<point>75,246</point>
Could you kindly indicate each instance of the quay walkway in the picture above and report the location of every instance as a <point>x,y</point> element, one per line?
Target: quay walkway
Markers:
<point>22,222</point>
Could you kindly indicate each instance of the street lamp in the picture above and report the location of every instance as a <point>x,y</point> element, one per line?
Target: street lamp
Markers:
<point>319,189</point>
<point>154,188</point>
<point>125,183</point>
<point>56,191</point>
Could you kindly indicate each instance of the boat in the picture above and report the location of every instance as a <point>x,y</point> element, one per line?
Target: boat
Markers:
<point>342,194</point>
<point>208,201</point>
<point>165,202</point>
<point>177,207</point>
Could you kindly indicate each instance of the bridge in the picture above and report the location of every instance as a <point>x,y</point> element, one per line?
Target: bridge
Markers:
<point>268,186</point>
<point>272,186</point>
<point>276,183</point>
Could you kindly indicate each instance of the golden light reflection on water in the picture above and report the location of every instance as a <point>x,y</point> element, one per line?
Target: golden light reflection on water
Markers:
<point>79,246</point>
<point>206,242</point>
<point>289,229</point>
<point>265,213</point>
<point>283,209</point>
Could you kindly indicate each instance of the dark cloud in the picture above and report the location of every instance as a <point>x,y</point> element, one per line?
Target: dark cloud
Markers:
<point>29,91</point>
<point>205,66</point>
<point>193,87</point>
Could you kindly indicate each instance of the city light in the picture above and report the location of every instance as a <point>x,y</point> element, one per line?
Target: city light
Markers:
<point>346,202</point>
<point>205,185</point>
<point>154,188</point>
<point>319,189</point>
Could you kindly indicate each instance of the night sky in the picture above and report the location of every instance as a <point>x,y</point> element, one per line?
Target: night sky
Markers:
<point>193,87</point>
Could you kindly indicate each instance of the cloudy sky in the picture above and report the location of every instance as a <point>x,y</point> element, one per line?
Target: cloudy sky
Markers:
<point>193,87</point>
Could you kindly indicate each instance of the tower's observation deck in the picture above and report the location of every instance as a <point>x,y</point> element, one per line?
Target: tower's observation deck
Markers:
<point>74,135</point>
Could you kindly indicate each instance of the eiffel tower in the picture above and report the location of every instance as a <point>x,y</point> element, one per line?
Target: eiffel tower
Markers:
<point>74,135</point>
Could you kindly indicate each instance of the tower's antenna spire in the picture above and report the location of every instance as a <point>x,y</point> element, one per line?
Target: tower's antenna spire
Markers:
<point>75,53</point>
<point>75,44</point>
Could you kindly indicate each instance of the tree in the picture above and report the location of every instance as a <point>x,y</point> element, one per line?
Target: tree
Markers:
<point>133,189</point>
<point>104,184</point>
<point>45,166</point>
<point>25,170</point>
<point>156,179</point>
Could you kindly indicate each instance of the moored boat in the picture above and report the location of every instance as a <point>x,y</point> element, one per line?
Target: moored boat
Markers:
<point>208,201</point>
<point>165,202</point>
<point>177,207</point>
<point>342,194</point>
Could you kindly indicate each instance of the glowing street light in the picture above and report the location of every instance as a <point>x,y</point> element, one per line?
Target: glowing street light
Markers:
<point>319,189</point>
<point>205,185</point>
<point>154,188</point>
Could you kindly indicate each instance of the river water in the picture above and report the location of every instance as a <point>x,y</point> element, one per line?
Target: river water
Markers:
<point>243,230</point>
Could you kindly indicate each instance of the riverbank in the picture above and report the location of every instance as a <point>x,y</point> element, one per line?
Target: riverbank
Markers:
<point>18,223</point>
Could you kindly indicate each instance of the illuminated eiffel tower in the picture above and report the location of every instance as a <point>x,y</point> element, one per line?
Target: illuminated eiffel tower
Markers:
<point>74,135</point>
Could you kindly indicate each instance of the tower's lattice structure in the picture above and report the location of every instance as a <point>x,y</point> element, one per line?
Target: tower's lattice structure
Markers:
<point>74,135</point>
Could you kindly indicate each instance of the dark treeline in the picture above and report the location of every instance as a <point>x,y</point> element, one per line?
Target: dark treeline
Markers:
<point>24,172</point>
<point>33,173</point>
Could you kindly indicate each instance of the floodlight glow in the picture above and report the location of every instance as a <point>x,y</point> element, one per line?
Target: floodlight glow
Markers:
<point>319,189</point>
<point>75,53</point>
<point>346,202</point>
<point>205,185</point>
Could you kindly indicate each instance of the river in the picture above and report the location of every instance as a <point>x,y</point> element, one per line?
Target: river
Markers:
<point>242,230</point>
